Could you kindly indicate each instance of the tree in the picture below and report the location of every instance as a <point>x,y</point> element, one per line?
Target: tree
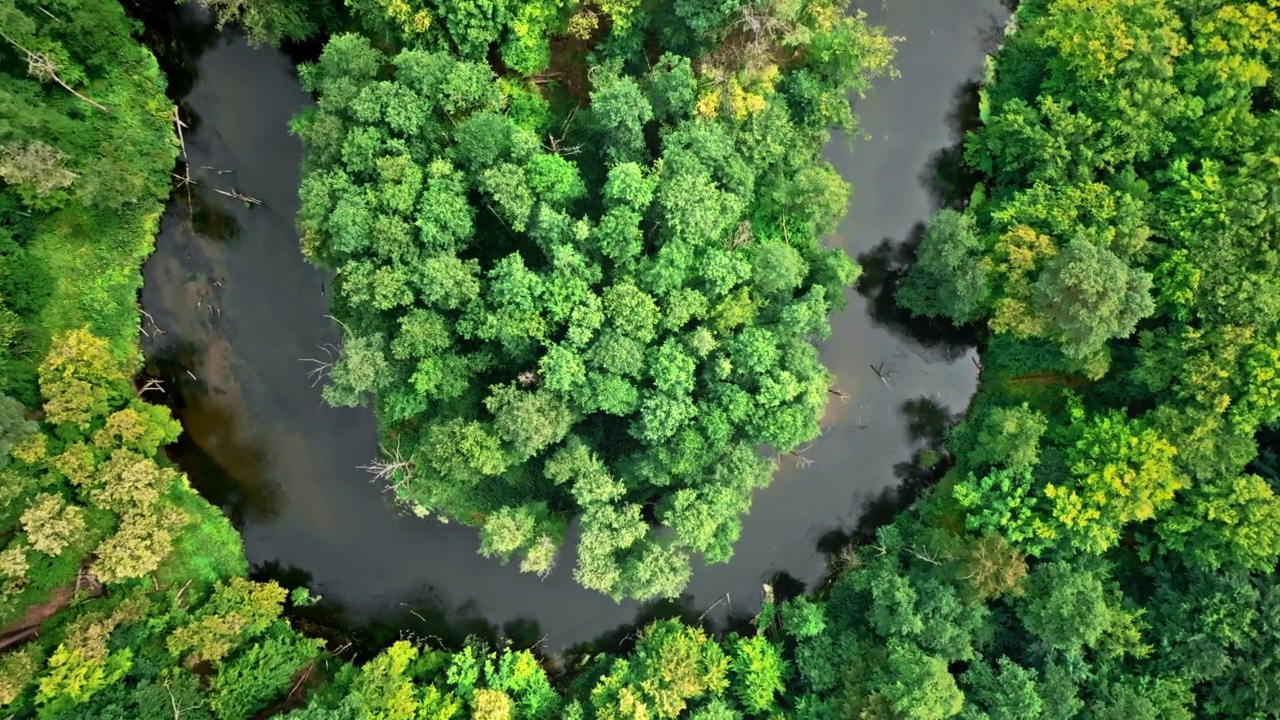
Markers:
<point>269,21</point>
<point>385,685</point>
<point>1006,692</point>
<point>1225,523</point>
<point>1004,503</point>
<point>1091,296</point>
<point>672,665</point>
<point>238,610</point>
<point>78,378</point>
<point>1009,437</point>
<point>648,278</point>
<point>51,524</point>
<point>36,165</point>
<point>249,681</point>
<point>141,543</point>
<point>529,421</point>
<point>949,278</point>
<point>492,705</point>
<point>1064,606</point>
<point>1122,472</point>
<point>14,426</point>
<point>992,568</point>
<point>17,671</point>
<point>507,530</point>
<point>758,670</point>
<point>917,685</point>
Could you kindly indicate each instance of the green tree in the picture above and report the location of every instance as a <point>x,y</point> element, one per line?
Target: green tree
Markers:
<point>249,681</point>
<point>1064,606</point>
<point>758,669</point>
<point>1091,296</point>
<point>647,278</point>
<point>949,277</point>
<point>1009,437</point>
<point>918,685</point>
<point>1006,692</point>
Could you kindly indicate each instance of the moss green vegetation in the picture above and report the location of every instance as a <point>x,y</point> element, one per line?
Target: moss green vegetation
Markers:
<point>586,288</point>
<point>1103,544</point>
<point>75,172</point>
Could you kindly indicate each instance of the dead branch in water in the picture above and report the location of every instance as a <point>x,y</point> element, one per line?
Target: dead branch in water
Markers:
<point>185,178</point>
<point>151,384</point>
<point>884,376</point>
<point>322,367</point>
<point>238,196</point>
<point>723,599</point>
<point>802,461</point>
<point>387,470</point>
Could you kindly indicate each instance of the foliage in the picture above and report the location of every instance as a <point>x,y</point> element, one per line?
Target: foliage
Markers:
<point>1114,260</point>
<point>949,276</point>
<point>640,314</point>
<point>275,21</point>
<point>1104,545</point>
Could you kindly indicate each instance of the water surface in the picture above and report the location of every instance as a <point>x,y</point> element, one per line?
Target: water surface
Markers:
<point>237,312</point>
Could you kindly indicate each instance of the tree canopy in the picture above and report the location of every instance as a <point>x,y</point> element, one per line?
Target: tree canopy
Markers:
<point>587,298</point>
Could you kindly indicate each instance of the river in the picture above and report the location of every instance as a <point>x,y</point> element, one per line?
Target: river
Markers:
<point>235,312</point>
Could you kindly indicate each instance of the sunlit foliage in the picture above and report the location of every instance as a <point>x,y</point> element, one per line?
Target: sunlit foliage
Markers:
<point>611,316</point>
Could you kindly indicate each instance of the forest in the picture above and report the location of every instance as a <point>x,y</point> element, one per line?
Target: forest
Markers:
<point>581,276</point>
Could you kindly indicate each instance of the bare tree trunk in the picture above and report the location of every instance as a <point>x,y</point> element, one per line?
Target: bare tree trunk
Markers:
<point>42,67</point>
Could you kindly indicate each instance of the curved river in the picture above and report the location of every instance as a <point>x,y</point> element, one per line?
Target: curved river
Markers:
<point>234,309</point>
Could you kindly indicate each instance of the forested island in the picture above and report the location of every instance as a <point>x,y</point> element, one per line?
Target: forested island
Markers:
<point>581,274</point>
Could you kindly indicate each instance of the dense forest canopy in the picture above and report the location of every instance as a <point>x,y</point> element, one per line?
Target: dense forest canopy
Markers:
<point>1103,543</point>
<point>586,285</point>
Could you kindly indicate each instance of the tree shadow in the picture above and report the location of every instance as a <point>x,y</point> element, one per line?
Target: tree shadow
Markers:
<point>928,423</point>
<point>430,619</point>
<point>991,35</point>
<point>233,480</point>
<point>209,216</point>
<point>622,639</point>
<point>178,34</point>
<point>948,179</point>
<point>950,183</point>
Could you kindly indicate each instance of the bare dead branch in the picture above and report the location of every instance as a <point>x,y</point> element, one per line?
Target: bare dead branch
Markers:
<point>923,554</point>
<point>151,384</point>
<point>173,702</point>
<point>237,195</point>
<point>43,68</point>
<point>880,373</point>
<point>394,470</point>
<point>724,599</point>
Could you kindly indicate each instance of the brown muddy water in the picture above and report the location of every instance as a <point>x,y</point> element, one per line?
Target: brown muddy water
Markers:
<point>235,311</point>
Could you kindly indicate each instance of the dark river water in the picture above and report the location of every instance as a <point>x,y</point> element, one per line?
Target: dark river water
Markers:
<point>235,309</point>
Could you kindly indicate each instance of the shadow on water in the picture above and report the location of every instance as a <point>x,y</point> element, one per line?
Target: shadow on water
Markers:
<point>883,268</point>
<point>928,422</point>
<point>178,34</point>
<point>950,183</point>
<point>948,178</point>
<point>210,218</point>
